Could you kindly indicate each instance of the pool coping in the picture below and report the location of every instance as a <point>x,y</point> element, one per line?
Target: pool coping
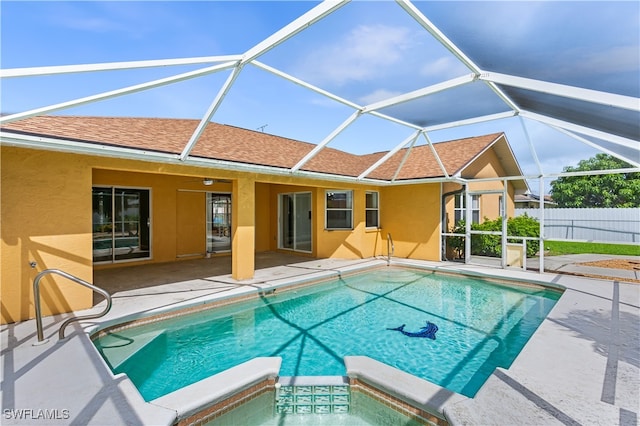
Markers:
<point>203,394</point>
<point>558,378</point>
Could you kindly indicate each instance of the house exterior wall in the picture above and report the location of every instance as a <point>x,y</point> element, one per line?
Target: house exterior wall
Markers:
<point>264,214</point>
<point>43,221</point>
<point>347,244</point>
<point>411,214</point>
<point>47,218</point>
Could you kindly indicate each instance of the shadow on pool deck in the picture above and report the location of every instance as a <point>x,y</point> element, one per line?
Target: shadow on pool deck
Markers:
<point>124,278</point>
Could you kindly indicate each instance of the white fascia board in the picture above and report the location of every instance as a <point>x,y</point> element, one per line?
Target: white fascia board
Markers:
<point>430,90</point>
<point>51,144</point>
<point>118,92</point>
<point>439,35</point>
<point>618,140</point>
<point>389,154</point>
<point>563,90</point>
<point>311,17</point>
<point>501,178</point>
<point>111,66</point>
<point>61,145</point>
<point>76,147</point>
<point>475,120</point>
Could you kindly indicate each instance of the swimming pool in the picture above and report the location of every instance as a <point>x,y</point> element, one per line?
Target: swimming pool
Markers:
<point>481,326</point>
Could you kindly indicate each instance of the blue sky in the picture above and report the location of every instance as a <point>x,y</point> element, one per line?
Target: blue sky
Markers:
<point>365,52</point>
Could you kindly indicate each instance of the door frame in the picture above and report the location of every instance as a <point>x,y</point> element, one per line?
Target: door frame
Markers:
<point>208,193</point>
<point>280,219</point>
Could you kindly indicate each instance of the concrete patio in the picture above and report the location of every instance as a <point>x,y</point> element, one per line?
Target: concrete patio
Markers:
<point>581,366</point>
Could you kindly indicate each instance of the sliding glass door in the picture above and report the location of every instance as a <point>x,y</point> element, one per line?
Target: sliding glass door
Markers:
<point>218,222</point>
<point>121,224</point>
<point>295,221</point>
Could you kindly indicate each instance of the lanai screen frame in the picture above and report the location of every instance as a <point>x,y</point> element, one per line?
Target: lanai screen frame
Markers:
<point>496,82</point>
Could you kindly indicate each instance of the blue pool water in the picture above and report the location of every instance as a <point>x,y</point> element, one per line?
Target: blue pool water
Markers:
<point>481,326</point>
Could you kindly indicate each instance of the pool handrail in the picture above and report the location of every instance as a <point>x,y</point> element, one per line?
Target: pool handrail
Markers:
<point>36,295</point>
<point>389,250</point>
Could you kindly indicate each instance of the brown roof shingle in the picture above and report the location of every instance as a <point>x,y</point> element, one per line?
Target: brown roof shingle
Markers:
<point>224,142</point>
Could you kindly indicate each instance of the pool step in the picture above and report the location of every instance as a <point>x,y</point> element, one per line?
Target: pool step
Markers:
<point>312,397</point>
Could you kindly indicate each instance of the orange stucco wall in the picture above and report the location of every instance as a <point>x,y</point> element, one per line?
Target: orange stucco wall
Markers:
<point>411,214</point>
<point>46,208</point>
<point>46,218</point>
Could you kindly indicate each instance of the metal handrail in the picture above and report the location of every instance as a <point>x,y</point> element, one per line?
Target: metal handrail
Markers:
<point>36,293</point>
<point>390,250</point>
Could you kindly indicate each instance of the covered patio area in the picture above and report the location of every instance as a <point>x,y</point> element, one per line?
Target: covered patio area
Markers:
<point>127,278</point>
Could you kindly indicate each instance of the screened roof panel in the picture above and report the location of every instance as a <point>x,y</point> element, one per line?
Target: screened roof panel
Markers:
<point>459,103</point>
<point>590,44</point>
<point>257,101</point>
<point>391,67</point>
<point>605,118</point>
<point>628,153</point>
<point>366,52</point>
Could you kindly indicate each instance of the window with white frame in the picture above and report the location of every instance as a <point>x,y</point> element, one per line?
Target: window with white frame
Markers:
<point>459,208</point>
<point>372,215</point>
<point>339,209</point>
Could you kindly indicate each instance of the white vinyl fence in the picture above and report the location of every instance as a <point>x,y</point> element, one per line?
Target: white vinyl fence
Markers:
<point>591,224</point>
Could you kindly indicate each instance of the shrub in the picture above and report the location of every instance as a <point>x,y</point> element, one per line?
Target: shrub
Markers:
<point>525,226</point>
<point>491,245</point>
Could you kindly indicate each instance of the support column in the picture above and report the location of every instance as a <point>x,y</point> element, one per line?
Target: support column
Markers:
<point>503,238</point>
<point>243,220</point>
<point>541,220</point>
<point>468,218</point>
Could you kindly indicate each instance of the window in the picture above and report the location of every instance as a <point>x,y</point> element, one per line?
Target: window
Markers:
<point>120,224</point>
<point>459,208</point>
<point>339,210</point>
<point>371,210</point>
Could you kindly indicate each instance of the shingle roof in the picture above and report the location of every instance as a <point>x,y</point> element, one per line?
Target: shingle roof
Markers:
<point>224,142</point>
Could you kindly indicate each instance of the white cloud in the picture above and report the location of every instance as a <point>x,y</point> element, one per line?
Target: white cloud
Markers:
<point>615,59</point>
<point>136,21</point>
<point>447,67</point>
<point>378,95</point>
<point>366,52</point>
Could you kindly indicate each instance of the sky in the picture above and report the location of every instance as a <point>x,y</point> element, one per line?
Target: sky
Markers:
<point>365,52</point>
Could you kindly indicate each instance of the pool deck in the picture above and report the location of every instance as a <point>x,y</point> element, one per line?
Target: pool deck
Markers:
<point>582,366</point>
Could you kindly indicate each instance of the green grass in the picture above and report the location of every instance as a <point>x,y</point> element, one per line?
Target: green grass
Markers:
<point>556,248</point>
